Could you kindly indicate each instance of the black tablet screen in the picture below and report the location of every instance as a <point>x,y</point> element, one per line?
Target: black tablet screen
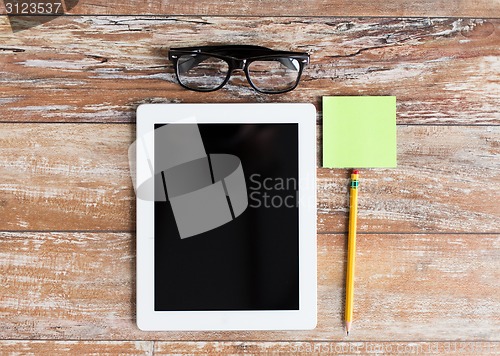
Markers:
<point>226,217</point>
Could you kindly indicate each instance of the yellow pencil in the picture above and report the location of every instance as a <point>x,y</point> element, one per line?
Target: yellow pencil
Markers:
<point>351,250</point>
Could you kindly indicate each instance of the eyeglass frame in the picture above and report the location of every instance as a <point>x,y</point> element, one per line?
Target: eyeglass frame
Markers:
<point>238,61</point>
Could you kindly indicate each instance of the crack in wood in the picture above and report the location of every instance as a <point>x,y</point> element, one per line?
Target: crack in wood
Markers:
<point>6,49</point>
<point>359,51</point>
<point>98,58</point>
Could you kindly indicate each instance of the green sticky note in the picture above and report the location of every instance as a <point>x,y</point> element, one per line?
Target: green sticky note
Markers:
<point>359,131</point>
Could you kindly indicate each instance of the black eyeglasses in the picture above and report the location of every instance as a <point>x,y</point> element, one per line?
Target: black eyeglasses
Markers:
<point>208,68</point>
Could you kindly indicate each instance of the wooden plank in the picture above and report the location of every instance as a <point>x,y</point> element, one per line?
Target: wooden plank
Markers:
<point>66,177</point>
<point>327,348</point>
<point>415,284</point>
<point>76,177</point>
<point>445,181</point>
<point>38,347</point>
<point>66,286</point>
<point>427,8</point>
<point>408,287</point>
<point>98,69</point>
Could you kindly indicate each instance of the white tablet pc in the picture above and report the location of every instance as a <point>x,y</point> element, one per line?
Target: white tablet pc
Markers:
<point>226,216</point>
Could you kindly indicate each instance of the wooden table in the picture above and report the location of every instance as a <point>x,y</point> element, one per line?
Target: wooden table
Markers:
<point>428,266</point>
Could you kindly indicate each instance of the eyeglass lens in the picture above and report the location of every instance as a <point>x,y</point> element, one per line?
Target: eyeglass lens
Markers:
<point>204,72</point>
<point>274,75</point>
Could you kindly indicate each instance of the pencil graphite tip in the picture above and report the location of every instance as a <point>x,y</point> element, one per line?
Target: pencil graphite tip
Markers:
<point>347,327</point>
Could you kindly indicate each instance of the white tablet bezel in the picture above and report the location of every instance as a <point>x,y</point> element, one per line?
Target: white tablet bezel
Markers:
<point>305,317</point>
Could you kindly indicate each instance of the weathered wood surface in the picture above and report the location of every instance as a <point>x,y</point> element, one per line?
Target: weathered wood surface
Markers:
<point>149,348</point>
<point>430,8</point>
<point>76,177</point>
<point>429,244</point>
<point>98,69</point>
<point>66,177</point>
<point>327,347</point>
<point>426,287</point>
<point>81,348</point>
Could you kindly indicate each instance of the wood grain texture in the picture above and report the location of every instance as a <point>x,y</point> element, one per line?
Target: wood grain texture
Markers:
<point>327,348</point>
<point>66,286</point>
<point>41,347</point>
<point>434,287</point>
<point>443,171</point>
<point>397,8</point>
<point>38,347</point>
<point>98,69</point>
<point>66,177</point>
<point>76,177</point>
<point>429,243</point>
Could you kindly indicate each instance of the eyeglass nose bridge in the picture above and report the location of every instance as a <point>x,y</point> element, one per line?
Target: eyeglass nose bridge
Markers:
<point>238,64</point>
